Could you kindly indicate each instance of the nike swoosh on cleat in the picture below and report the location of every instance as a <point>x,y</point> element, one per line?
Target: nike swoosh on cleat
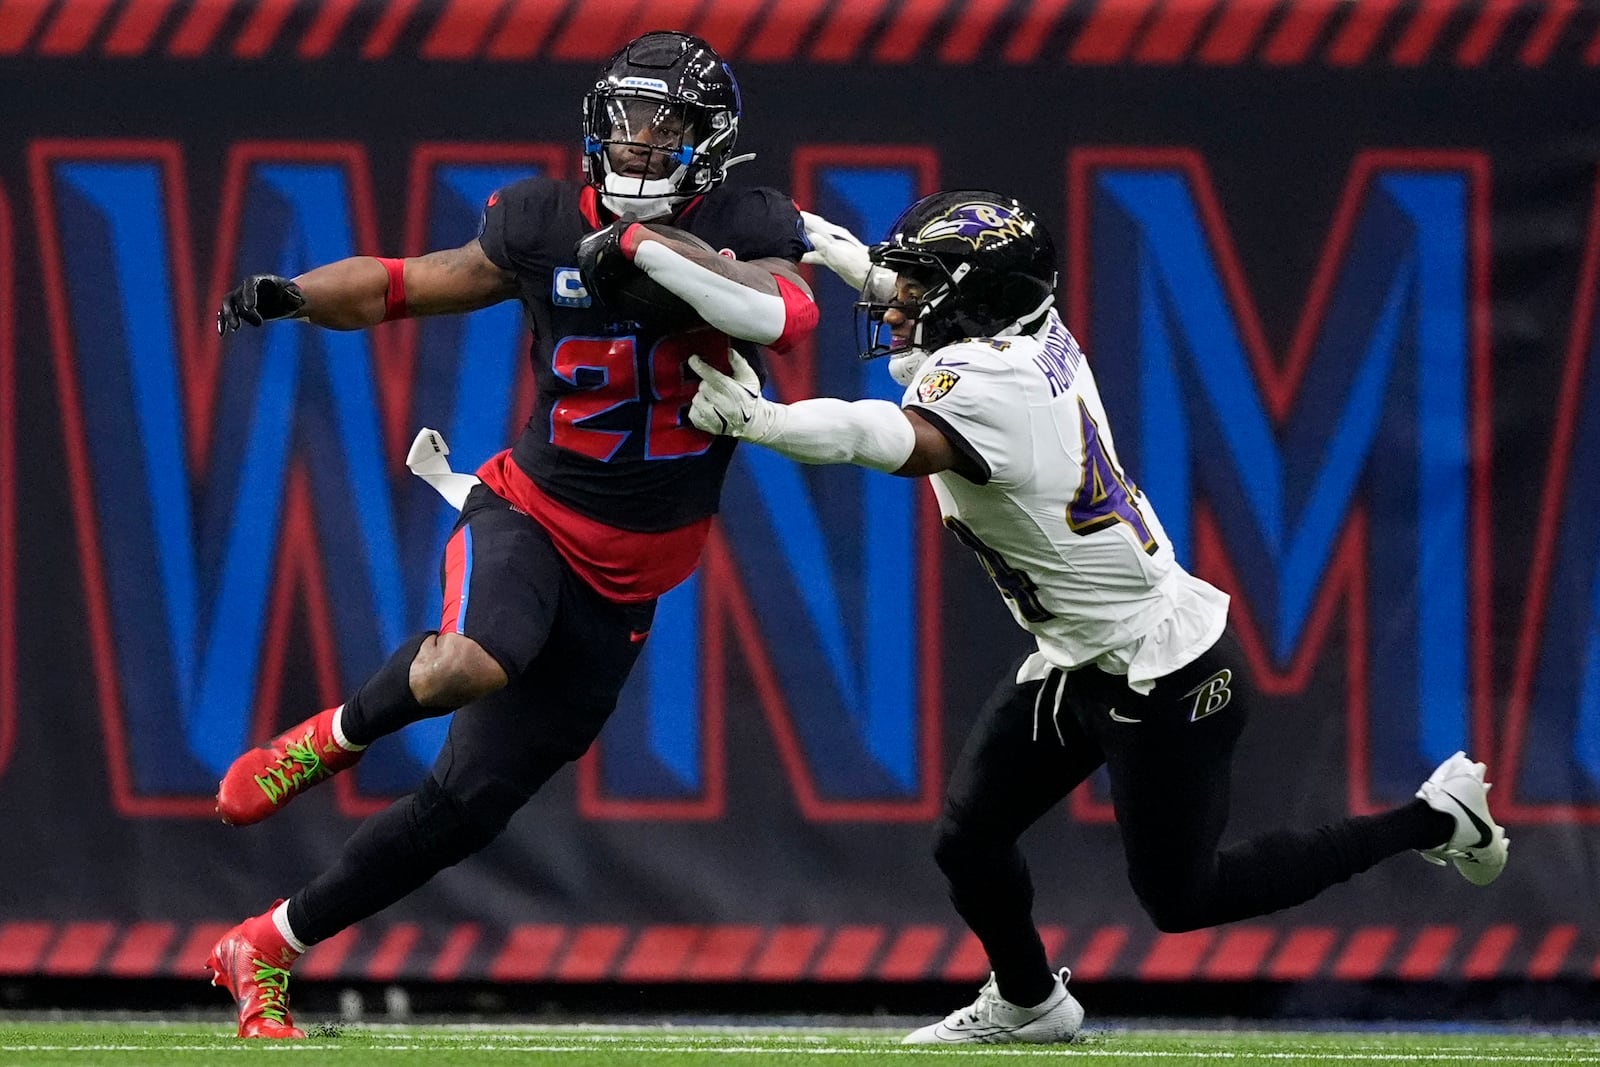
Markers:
<point>1122,718</point>
<point>1486,835</point>
<point>974,1033</point>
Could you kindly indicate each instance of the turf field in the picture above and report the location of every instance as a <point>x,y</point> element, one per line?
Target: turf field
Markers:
<point>146,1045</point>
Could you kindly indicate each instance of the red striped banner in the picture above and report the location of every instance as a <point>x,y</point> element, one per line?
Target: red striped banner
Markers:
<point>1159,33</point>
<point>1301,954</point>
<point>527,953</point>
<point>686,952</point>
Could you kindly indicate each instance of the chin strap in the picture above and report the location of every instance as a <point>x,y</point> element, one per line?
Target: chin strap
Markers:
<point>905,366</point>
<point>644,200</point>
<point>643,208</point>
<point>657,198</point>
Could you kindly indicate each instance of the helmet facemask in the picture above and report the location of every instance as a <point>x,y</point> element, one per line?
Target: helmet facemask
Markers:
<point>648,151</point>
<point>930,313</point>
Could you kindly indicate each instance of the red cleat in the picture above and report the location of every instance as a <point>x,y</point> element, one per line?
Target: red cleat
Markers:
<point>266,778</point>
<point>259,982</point>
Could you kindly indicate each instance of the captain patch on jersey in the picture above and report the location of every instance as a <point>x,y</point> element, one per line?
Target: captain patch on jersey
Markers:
<point>933,386</point>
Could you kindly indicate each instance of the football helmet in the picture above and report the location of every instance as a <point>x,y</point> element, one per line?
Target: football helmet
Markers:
<point>986,267</point>
<point>671,105</point>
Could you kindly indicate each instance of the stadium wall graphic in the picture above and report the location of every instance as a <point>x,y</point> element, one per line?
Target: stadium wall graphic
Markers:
<point>1336,267</point>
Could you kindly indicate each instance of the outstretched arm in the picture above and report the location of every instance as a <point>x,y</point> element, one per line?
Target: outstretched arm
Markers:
<point>362,291</point>
<point>868,433</point>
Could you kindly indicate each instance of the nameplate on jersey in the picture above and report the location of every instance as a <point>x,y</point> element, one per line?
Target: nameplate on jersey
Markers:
<point>568,291</point>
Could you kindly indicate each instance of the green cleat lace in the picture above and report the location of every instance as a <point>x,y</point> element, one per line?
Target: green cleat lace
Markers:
<point>267,777</point>
<point>272,988</point>
<point>300,766</point>
<point>258,980</point>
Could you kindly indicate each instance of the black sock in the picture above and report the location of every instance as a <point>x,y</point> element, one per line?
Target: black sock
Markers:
<point>1429,828</point>
<point>1286,867</point>
<point>1370,838</point>
<point>385,703</point>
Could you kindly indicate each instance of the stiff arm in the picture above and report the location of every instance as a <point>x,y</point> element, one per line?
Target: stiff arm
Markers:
<point>353,294</point>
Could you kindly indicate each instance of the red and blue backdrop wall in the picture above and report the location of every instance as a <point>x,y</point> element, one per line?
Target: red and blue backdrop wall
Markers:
<point>1335,266</point>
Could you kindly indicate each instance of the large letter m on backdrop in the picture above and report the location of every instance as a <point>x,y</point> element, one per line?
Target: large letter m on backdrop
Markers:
<point>1358,462</point>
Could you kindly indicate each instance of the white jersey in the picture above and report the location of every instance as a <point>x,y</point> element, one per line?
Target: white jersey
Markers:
<point>1073,545</point>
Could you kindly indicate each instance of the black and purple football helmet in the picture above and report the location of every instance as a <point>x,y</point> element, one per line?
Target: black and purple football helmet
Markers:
<point>985,262</point>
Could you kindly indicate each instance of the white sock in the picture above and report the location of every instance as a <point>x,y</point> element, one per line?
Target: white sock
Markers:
<point>338,733</point>
<point>280,919</point>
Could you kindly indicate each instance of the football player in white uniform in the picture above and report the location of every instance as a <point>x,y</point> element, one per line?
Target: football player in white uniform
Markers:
<point>1134,667</point>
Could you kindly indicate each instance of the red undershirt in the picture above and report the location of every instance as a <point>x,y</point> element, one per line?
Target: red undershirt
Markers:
<point>621,565</point>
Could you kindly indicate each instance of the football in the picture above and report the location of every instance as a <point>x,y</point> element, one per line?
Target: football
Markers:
<point>635,296</point>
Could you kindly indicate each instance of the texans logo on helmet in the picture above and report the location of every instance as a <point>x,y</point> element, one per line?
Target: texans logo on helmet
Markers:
<point>975,222</point>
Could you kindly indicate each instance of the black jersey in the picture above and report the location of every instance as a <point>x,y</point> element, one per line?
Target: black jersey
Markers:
<point>610,435</point>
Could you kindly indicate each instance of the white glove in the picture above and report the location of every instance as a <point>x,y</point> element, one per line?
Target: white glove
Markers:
<point>843,253</point>
<point>872,433</point>
<point>731,406</point>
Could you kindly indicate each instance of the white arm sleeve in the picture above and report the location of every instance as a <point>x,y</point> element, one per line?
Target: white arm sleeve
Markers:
<point>870,433</point>
<point>737,310</point>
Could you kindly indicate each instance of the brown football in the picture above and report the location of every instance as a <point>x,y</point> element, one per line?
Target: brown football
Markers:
<point>637,297</point>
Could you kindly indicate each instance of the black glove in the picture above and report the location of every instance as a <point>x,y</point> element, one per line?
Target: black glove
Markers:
<point>601,262</point>
<point>259,298</point>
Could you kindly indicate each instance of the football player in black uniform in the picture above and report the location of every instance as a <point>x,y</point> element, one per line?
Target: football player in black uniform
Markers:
<point>602,505</point>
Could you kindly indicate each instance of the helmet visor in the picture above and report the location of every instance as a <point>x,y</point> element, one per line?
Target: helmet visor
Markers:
<point>644,137</point>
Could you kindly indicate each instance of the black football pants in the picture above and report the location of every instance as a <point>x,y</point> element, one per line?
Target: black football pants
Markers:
<point>1168,755</point>
<point>567,651</point>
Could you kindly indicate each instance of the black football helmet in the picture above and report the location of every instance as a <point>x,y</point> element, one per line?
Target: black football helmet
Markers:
<point>673,105</point>
<point>986,264</point>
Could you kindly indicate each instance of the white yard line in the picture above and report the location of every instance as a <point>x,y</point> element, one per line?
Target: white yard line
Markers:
<point>291,1048</point>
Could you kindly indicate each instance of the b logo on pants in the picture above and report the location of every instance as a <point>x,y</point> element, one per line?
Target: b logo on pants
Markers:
<point>1211,695</point>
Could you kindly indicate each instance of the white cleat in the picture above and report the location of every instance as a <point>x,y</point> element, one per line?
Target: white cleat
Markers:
<point>1479,845</point>
<point>993,1020</point>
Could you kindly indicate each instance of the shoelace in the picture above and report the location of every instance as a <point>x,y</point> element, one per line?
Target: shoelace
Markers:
<point>272,991</point>
<point>300,764</point>
<point>981,1010</point>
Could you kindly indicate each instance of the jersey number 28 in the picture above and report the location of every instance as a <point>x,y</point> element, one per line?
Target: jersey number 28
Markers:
<point>606,371</point>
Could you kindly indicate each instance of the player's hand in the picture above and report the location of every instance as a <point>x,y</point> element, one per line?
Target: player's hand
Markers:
<point>731,405</point>
<point>601,258</point>
<point>259,298</point>
<point>842,252</point>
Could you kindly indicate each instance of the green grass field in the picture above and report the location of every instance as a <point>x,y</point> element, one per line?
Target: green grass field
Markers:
<point>146,1045</point>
